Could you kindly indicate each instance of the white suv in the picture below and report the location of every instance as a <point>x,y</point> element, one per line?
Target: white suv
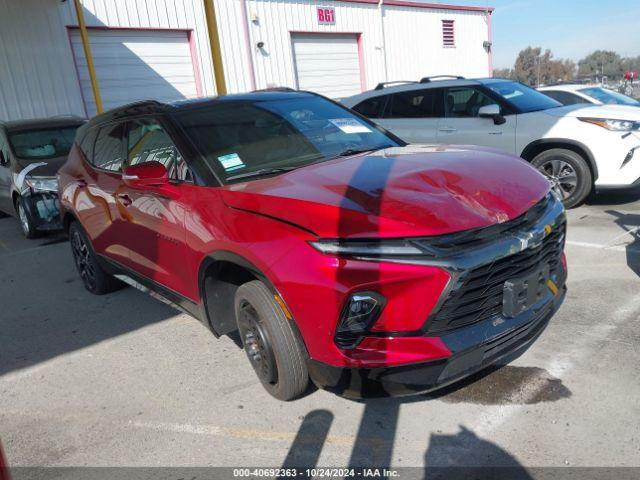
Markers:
<point>578,147</point>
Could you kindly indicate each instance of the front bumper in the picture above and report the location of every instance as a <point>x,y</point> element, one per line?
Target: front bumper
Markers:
<point>473,348</point>
<point>43,210</point>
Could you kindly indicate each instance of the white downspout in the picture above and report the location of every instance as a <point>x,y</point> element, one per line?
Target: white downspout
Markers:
<point>384,41</point>
<point>247,44</point>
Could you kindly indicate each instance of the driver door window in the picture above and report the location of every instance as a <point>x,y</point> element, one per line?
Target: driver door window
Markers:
<point>149,142</point>
<point>462,124</point>
<point>465,102</point>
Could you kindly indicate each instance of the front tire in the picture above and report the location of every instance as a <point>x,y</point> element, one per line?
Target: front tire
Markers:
<point>270,342</point>
<point>26,222</point>
<point>568,172</point>
<point>94,278</point>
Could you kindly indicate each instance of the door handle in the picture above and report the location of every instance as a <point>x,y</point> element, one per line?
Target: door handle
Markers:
<point>81,182</point>
<point>125,199</point>
<point>447,129</point>
<point>495,133</point>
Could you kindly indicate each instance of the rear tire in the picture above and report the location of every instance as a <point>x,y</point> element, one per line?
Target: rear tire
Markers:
<point>270,342</point>
<point>568,172</point>
<point>26,222</point>
<point>94,278</point>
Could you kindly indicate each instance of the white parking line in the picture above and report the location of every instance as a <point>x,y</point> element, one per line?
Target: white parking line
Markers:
<point>614,248</point>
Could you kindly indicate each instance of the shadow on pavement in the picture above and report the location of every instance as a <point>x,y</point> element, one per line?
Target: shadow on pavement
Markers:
<point>46,312</point>
<point>630,224</point>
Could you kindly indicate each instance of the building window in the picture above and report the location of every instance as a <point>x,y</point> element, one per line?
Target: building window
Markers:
<point>448,37</point>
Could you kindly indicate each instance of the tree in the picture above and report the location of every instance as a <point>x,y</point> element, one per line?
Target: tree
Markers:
<point>503,73</point>
<point>536,68</point>
<point>601,62</point>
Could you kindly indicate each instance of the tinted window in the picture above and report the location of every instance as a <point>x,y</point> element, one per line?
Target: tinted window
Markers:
<point>371,107</point>
<point>44,143</point>
<point>4,148</point>
<point>465,102</point>
<point>87,143</point>
<point>609,97</point>
<point>523,98</point>
<point>416,104</point>
<point>243,136</point>
<point>565,98</point>
<point>149,142</point>
<point>108,151</point>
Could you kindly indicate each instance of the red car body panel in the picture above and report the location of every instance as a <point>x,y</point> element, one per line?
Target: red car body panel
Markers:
<point>384,194</point>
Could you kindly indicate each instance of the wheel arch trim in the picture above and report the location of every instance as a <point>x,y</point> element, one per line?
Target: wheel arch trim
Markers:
<point>243,262</point>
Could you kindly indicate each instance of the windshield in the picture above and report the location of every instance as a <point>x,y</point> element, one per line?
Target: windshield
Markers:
<point>42,144</point>
<point>609,97</point>
<point>240,137</point>
<point>523,98</point>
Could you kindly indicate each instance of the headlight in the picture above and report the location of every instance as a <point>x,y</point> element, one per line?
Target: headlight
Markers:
<point>42,184</point>
<point>612,124</point>
<point>366,248</point>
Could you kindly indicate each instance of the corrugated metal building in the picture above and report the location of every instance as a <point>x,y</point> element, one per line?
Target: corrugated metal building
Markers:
<point>160,48</point>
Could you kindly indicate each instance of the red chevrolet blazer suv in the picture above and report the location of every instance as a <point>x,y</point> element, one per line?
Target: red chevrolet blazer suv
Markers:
<point>337,252</point>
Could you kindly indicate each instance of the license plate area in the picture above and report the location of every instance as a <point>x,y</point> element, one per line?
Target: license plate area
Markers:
<point>521,293</point>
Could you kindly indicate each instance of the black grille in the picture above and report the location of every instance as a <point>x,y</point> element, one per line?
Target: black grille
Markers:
<point>478,294</point>
<point>476,237</point>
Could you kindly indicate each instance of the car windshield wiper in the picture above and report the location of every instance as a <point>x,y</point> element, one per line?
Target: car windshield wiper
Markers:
<point>355,151</point>
<point>262,172</point>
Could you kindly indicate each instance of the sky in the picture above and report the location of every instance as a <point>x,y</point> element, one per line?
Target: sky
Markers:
<point>570,28</point>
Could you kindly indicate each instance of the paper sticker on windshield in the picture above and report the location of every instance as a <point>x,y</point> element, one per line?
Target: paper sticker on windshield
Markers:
<point>350,125</point>
<point>231,162</point>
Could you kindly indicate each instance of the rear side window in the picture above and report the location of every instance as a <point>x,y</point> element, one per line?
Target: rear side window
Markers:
<point>149,142</point>
<point>372,107</point>
<point>565,98</point>
<point>87,143</point>
<point>109,150</point>
<point>425,103</point>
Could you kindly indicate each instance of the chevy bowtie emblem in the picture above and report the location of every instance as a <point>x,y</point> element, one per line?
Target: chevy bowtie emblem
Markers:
<point>531,239</point>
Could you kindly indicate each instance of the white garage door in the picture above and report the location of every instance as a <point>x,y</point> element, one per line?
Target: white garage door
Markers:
<point>327,64</point>
<point>136,65</point>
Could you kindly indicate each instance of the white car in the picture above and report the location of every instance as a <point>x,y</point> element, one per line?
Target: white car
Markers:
<point>579,147</point>
<point>572,94</point>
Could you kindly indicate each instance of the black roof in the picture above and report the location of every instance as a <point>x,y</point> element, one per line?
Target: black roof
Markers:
<point>153,106</point>
<point>38,123</point>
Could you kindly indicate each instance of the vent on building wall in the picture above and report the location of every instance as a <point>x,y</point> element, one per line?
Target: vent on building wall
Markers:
<point>448,37</point>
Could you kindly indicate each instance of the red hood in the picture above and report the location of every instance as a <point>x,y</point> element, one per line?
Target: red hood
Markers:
<point>398,192</point>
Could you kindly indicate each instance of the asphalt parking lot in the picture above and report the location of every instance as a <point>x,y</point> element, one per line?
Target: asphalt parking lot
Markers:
<point>125,380</point>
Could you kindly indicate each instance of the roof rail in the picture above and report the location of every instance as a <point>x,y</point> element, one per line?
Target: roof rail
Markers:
<point>382,85</point>
<point>440,77</point>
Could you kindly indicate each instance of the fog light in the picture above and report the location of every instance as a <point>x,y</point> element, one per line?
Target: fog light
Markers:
<point>360,312</point>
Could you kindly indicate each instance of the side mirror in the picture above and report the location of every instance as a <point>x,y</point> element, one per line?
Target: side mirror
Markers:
<point>492,111</point>
<point>149,174</point>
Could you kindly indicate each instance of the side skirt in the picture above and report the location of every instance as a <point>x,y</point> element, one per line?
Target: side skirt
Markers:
<point>154,289</point>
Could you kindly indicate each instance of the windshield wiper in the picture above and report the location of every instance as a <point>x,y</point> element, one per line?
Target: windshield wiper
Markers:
<point>355,151</point>
<point>261,172</point>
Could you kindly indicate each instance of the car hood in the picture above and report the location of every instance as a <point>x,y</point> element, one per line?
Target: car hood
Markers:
<point>49,170</point>
<point>397,192</point>
<point>617,112</point>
